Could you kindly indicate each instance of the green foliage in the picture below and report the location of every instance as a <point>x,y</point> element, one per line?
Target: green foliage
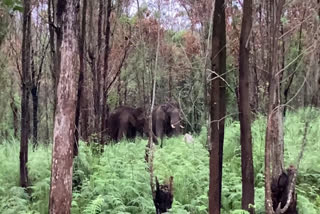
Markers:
<point>13,5</point>
<point>117,181</point>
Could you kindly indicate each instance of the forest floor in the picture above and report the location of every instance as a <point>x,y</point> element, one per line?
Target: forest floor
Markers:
<point>117,180</point>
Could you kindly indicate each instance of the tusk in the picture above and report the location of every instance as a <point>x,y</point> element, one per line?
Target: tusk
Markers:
<point>173,126</point>
<point>181,126</point>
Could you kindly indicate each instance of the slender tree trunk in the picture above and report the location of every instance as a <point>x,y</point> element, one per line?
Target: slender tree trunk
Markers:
<point>217,111</point>
<point>245,111</point>
<point>35,100</point>
<point>105,112</point>
<point>82,39</point>
<point>35,104</point>
<point>56,23</point>
<point>53,62</point>
<point>47,132</point>
<point>92,63</point>
<point>63,136</point>
<point>25,125</point>
<point>97,74</point>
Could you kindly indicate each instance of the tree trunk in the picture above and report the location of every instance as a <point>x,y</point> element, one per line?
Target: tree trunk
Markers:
<point>35,104</point>
<point>273,144</point>
<point>25,125</point>
<point>63,136</point>
<point>244,110</point>
<point>82,39</point>
<point>53,62</point>
<point>105,110</point>
<point>218,107</point>
<point>97,70</point>
<point>91,102</point>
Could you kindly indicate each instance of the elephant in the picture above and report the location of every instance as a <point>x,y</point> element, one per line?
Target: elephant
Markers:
<point>166,120</point>
<point>125,121</point>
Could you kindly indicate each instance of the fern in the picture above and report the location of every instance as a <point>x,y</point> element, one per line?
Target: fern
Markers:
<point>117,181</point>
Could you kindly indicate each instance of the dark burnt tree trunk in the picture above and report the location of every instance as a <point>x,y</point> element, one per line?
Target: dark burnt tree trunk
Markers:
<point>63,136</point>
<point>218,106</point>
<point>53,62</point>
<point>82,38</point>
<point>105,108</point>
<point>245,110</point>
<point>36,74</point>
<point>91,53</point>
<point>35,103</point>
<point>25,82</point>
<point>97,70</point>
<point>55,39</point>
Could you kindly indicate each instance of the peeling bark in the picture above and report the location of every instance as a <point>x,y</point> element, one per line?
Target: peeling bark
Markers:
<point>63,136</point>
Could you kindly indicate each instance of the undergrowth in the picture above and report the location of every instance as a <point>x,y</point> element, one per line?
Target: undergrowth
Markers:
<point>117,181</point>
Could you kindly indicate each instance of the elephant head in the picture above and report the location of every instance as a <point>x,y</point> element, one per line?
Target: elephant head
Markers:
<point>172,125</point>
<point>166,120</point>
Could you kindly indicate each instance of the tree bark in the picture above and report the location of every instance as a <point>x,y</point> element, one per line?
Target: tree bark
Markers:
<point>35,104</point>
<point>218,107</point>
<point>105,112</point>
<point>63,137</point>
<point>97,74</point>
<point>245,111</point>
<point>273,149</point>
<point>25,61</point>
<point>82,39</point>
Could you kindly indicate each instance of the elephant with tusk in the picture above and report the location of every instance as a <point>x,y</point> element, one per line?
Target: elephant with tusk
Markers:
<point>166,120</point>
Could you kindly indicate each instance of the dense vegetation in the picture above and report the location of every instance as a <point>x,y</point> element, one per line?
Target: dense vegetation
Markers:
<point>117,180</point>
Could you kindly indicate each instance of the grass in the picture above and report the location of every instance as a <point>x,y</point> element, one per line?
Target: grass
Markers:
<point>117,180</point>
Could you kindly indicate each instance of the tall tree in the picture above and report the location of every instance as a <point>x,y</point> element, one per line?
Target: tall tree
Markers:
<point>36,74</point>
<point>97,70</point>
<point>82,38</point>
<point>25,82</point>
<point>63,136</point>
<point>244,110</point>
<point>104,111</point>
<point>218,105</point>
<point>274,144</point>
<point>55,40</point>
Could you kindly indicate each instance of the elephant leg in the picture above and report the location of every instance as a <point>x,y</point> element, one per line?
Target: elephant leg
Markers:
<point>160,132</point>
<point>122,131</point>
